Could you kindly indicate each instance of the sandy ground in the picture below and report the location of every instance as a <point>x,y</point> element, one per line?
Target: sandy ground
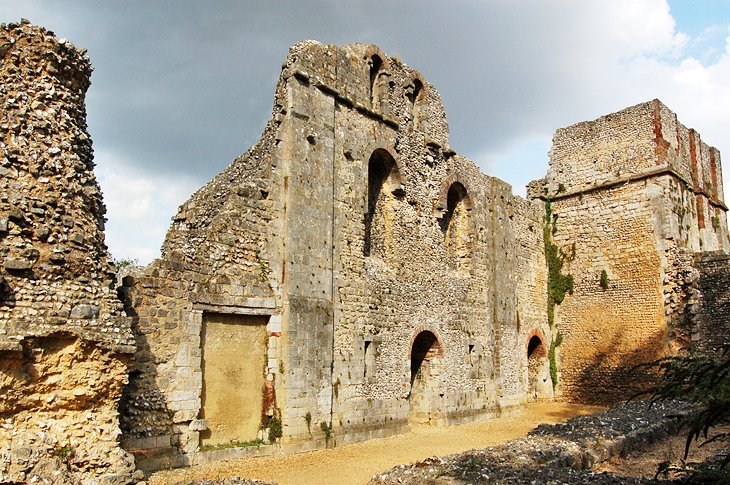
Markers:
<point>356,463</point>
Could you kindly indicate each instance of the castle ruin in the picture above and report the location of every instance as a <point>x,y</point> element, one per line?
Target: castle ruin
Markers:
<point>347,277</point>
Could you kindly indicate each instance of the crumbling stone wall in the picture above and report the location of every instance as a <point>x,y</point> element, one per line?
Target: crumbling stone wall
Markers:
<point>64,342</point>
<point>709,309</point>
<point>633,192</point>
<point>390,269</point>
<point>532,281</point>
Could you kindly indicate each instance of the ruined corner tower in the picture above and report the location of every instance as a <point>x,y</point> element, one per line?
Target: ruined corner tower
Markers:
<point>639,197</point>
<point>64,342</point>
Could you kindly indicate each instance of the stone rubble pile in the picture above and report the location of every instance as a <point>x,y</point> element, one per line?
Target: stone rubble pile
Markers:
<point>551,454</point>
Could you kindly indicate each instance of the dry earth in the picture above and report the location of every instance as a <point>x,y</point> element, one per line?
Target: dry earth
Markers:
<point>356,463</point>
<point>644,463</point>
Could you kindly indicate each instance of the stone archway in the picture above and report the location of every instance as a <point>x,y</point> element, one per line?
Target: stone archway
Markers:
<point>539,385</point>
<point>426,354</point>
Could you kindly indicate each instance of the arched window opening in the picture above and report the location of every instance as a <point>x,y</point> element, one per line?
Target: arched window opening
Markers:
<point>457,228</point>
<point>426,353</point>
<point>423,351</point>
<point>413,90</point>
<point>383,187</point>
<point>538,379</point>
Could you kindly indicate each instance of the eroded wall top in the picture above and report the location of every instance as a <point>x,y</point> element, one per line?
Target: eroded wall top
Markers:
<point>639,141</point>
<point>55,273</point>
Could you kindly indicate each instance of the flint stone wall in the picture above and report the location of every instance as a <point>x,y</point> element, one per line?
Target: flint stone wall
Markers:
<point>64,342</point>
<point>634,192</point>
<point>709,310</point>
<point>285,232</point>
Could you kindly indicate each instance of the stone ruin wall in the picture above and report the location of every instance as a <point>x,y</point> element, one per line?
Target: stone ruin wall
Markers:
<point>634,191</point>
<point>330,287</point>
<point>281,234</point>
<point>528,221</point>
<point>709,302</point>
<point>64,341</point>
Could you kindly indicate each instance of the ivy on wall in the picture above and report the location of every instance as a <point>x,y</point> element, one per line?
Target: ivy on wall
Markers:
<point>558,283</point>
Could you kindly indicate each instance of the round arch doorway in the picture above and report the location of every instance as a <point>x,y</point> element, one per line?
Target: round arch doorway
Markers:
<point>539,384</point>
<point>426,353</point>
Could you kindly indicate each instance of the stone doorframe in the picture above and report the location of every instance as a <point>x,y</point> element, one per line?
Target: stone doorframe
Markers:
<point>426,352</point>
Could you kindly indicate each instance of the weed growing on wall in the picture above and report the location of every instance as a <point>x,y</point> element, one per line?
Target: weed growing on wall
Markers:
<point>604,279</point>
<point>232,444</point>
<point>273,423</point>
<point>308,420</point>
<point>557,340</point>
<point>558,283</point>
<point>263,267</point>
<point>327,430</point>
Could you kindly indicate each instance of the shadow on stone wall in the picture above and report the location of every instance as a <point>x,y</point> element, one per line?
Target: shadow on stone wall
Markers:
<point>604,380</point>
<point>144,417</point>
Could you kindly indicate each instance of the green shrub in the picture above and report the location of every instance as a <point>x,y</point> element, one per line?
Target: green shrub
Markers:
<point>704,380</point>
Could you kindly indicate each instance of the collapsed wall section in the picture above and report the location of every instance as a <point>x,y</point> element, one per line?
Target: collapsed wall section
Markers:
<point>64,342</point>
<point>215,267</point>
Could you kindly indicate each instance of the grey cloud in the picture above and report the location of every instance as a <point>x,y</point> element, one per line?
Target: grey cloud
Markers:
<point>187,85</point>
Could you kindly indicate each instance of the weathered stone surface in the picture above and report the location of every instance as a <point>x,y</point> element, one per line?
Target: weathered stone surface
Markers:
<point>85,311</point>
<point>400,283</point>
<point>634,192</point>
<point>17,264</point>
<point>60,377</point>
<point>348,276</point>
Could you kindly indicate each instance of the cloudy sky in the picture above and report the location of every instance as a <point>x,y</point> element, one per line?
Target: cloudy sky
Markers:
<point>180,88</point>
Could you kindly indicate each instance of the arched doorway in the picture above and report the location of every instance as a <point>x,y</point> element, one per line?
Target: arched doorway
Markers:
<point>426,353</point>
<point>539,385</point>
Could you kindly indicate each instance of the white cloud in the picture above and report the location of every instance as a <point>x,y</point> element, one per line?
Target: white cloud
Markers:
<point>178,91</point>
<point>139,206</point>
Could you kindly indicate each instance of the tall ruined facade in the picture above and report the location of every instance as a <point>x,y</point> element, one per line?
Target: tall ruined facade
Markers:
<point>65,343</point>
<point>637,195</point>
<point>359,274</point>
<point>347,277</point>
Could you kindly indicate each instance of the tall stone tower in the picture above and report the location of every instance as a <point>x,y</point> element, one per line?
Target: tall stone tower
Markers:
<point>64,342</point>
<point>638,195</point>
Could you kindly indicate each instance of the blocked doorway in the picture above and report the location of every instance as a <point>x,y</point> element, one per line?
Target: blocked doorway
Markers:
<point>234,349</point>
<point>426,353</point>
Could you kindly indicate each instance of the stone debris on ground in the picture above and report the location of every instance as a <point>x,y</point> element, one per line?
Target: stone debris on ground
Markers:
<point>552,454</point>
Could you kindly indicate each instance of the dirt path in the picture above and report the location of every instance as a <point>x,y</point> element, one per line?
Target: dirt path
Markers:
<point>356,463</point>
